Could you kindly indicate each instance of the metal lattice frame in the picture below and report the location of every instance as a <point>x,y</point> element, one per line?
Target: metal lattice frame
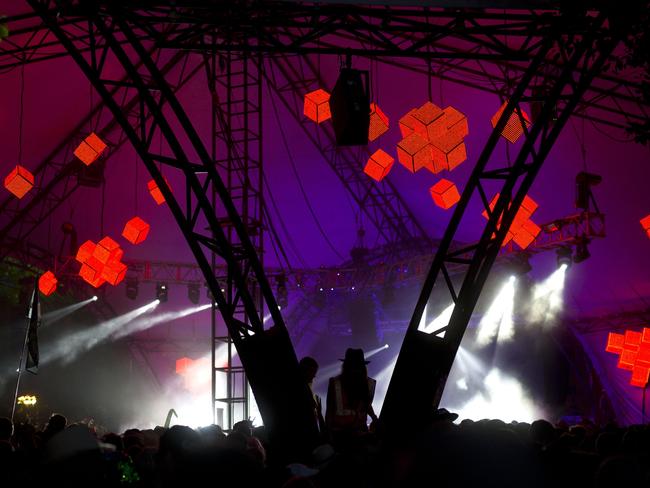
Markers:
<point>267,355</point>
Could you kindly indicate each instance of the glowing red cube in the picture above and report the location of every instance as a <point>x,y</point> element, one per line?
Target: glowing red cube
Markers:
<point>19,181</point>
<point>414,152</point>
<point>85,251</point>
<point>317,106</point>
<point>444,194</point>
<point>640,376</point>
<point>90,149</point>
<point>615,342</point>
<point>407,123</point>
<point>91,270</point>
<point>114,272</point>
<point>451,125</point>
<point>645,223</point>
<point>379,165</point>
<point>627,359</point>
<point>155,191</point>
<point>425,117</point>
<point>136,230</point>
<point>378,122</point>
<point>107,249</point>
<point>514,127</point>
<point>182,365</point>
<point>447,153</point>
<point>47,283</point>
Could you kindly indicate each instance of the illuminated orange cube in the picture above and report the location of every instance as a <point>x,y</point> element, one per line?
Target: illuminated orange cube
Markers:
<point>90,149</point>
<point>136,230</point>
<point>444,194</point>
<point>107,249</point>
<point>407,123</point>
<point>379,165</point>
<point>615,342</point>
<point>632,340</point>
<point>514,127</point>
<point>447,153</point>
<point>627,359</point>
<point>182,365</point>
<point>317,106</point>
<point>19,181</point>
<point>640,376</point>
<point>414,152</point>
<point>155,191</point>
<point>526,233</point>
<point>47,283</point>
<point>425,117</point>
<point>114,272</point>
<point>91,270</point>
<point>645,223</point>
<point>85,251</point>
<point>378,122</point>
<point>451,125</point>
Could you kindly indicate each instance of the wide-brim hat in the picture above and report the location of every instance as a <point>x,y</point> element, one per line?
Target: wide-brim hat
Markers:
<point>354,356</point>
<point>444,414</point>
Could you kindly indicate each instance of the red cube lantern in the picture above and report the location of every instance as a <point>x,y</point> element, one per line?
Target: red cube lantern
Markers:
<point>425,117</point>
<point>47,283</point>
<point>317,106</point>
<point>514,127</point>
<point>107,249</point>
<point>114,272</point>
<point>444,194</point>
<point>407,123</point>
<point>136,230</point>
<point>615,342</point>
<point>91,271</point>
<point>85,251</point>
<point>155,191</point>
<point>90,149</point>
<point>645,223</point>
<point>379,165</point>
<point>182,365</point>
<point>19,181</point>
<point>414,152</point>
<point>447,153</point>
<point>378,122</point>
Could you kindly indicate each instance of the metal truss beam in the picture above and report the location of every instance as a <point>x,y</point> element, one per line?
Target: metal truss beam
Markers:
<point>425,359</point>
<point>266,354</point>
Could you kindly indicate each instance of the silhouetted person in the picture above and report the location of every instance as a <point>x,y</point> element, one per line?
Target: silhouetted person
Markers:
<point>349,399</point>
<point>55,424</point>
<point>309,369</point>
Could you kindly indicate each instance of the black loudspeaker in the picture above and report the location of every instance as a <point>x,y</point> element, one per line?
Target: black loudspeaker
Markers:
<point>350,108</point>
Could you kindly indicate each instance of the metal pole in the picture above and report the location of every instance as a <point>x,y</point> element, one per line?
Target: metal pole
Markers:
<point>22,356</point>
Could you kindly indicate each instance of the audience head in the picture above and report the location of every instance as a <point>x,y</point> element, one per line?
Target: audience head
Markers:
<point>308,368</point>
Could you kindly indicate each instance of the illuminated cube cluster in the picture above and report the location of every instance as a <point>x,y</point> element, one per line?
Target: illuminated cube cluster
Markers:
<point>90,149</point>
<point>444,194</point>
<point>379,165</point>
<point>19,181</point>
<point>514,127</point>
<point>155,192</point>
<point>317,106</point>
<point>645,223</point>
<point>183,364</point>
<point>378,122</point>
<point>433,138</point>
<point>633,349</point>
<point>136,230</point>
<point>47,283</point>
<point>101,262</point>
<point>523,230</point>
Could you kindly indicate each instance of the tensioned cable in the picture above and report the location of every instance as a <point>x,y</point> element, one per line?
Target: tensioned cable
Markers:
<point>295,172</point>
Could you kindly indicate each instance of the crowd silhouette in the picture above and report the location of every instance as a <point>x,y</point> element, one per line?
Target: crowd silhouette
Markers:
<point>437,451</point>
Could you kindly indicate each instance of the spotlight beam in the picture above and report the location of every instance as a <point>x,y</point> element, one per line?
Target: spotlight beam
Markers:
<point>54,316</point>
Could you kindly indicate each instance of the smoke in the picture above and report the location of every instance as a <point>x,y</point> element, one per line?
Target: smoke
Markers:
<point>56,315</point>
<point>497,321</point>
<point>548,299</point>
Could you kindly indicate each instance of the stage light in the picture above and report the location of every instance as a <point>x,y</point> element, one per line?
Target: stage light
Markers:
<point>564,256</point>
<point>95,298</point>
<point>498,320</point>
<point>193,292</point>
<point>162,292</point>
<point>19,181</point>
<point>350,107</point>
<point>582,250</point>
<point>132,288</point>
<point>27,400</point>
<point>519,265</point>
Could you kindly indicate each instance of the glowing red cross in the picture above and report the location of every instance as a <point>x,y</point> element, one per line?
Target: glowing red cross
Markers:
<point>634,353</point>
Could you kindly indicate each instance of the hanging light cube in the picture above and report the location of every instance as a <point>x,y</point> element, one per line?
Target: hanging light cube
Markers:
<point>414,152</point>
<point>426,117</point>
<point>633,349</point>
<point>522,230</point>
<point>101,262</point>
<point>378,122</point>
<point>445,194</point>
<point>379,165</point>
<point>136,230</point>
<point>19,181</point>
<point>114,272</point>
<point>407,123</point>
<point>47,283</point>
<point>90,149</point>
<point>155,191</point>
<point>645,223</point>
<point>85,251</point>
<point>447,153</point>
<point>514,127</point>
<point>317,106</point>
<point>108,250</point>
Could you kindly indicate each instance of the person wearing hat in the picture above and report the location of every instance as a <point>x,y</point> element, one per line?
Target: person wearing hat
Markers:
<point>349,399</point>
